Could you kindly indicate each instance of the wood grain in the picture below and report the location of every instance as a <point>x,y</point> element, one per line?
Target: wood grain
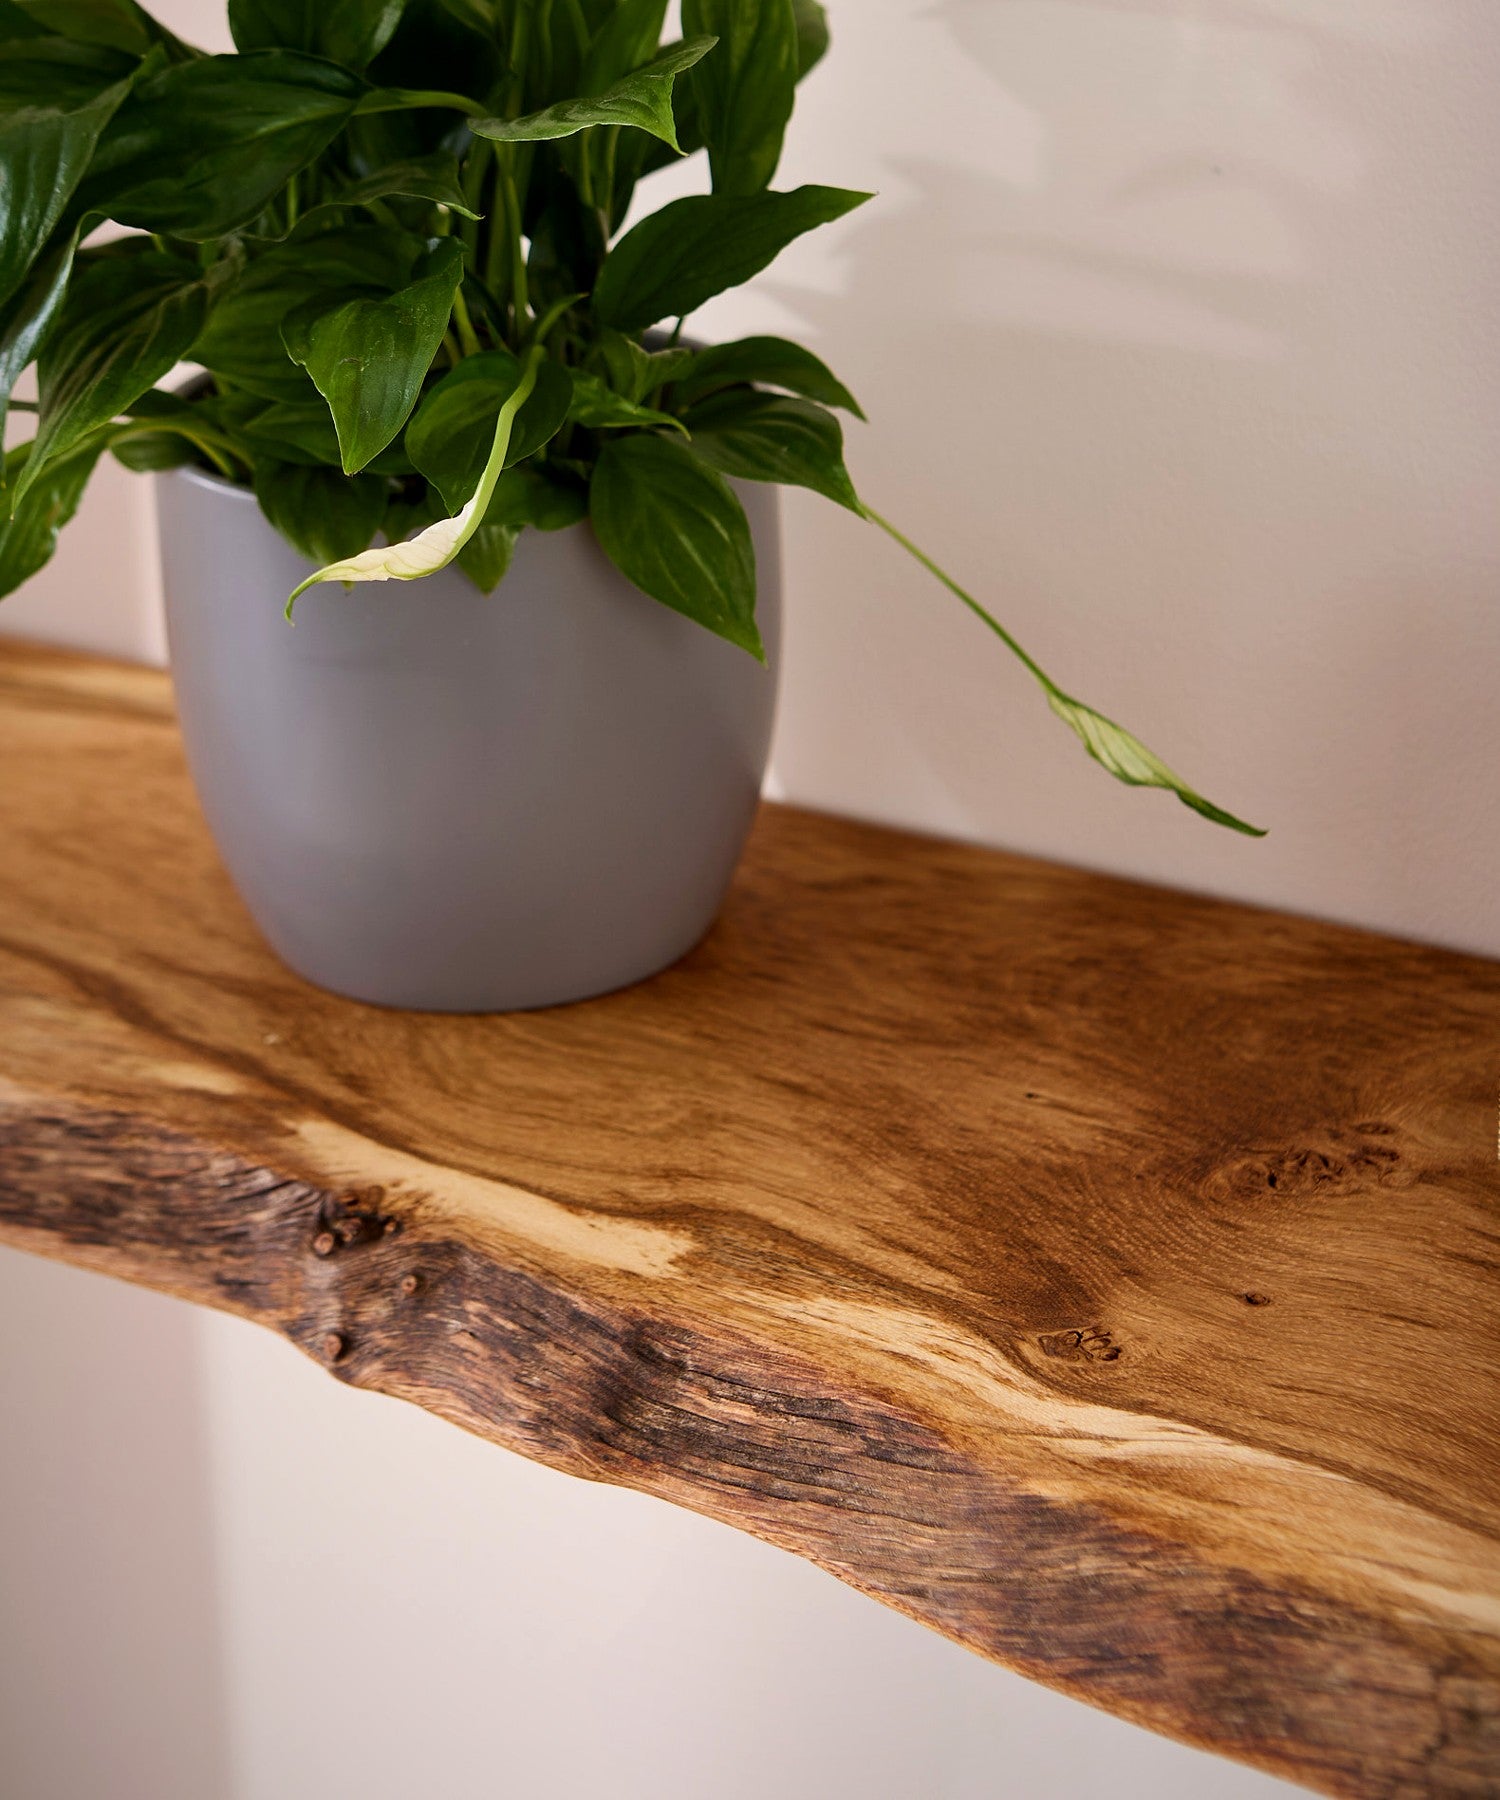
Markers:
<point>1103,1276</point>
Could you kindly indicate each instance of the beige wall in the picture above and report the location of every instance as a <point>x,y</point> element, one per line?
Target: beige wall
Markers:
<point>1175,323</point>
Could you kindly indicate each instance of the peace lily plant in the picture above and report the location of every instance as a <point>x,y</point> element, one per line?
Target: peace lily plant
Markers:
<point>392,233</point>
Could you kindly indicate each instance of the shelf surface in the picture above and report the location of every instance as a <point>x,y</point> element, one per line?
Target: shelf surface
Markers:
<point>1103,1276</point>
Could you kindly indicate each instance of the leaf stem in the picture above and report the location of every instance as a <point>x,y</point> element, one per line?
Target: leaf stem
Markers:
<point>968,599</point>
<point>467,336</point>
<point>445,540</point>
<point>513,222</point>
<point>1110,745</point>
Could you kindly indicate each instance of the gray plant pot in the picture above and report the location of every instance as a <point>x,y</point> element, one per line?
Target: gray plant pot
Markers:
<point>438,799</point>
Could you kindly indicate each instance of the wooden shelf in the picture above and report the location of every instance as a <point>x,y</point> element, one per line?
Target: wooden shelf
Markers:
<point>1105,1277</point>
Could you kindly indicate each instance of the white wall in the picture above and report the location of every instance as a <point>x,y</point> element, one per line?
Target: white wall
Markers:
<point>1174,321</point>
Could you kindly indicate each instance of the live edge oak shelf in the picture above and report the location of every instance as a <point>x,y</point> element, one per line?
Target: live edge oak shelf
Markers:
<point>1103,1276</point>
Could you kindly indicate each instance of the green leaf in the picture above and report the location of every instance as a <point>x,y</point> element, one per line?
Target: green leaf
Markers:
<point>433,52</point>
<point>298,431</point>
<point>56,72</point>
<point>242,341</point>
<point>642,100</point>
<point>445,540</point>
<point>526,495</point>
<point>127,321</point>
<point>680,257</point>
<point>449,440</point>
<point>352,32</point>
<point>626,40</point>
<point>434,178</point>
<point>1129,760</point>
<point>28,539</point>
<point>16,23</point>
<point>164,430</point>
<point>745,92</point>
<point>369,358</point>
<point>27,318</point>
<point>672,526</point>
<point>812,35</point>
<point>768,362</point>
<point>117,24</point>
<point>478,15</point>
<point>600,408</point>
<point>324,515</point>
<point>292,431</point>
<point>768,437</point>
<point>200,148</point>
<point>1110,745</point>
<point>634,371</point>
<point>486,558</point>
<point>44,153</point>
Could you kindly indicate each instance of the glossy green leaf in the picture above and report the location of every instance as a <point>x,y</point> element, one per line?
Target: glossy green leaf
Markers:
<point>319,511</point>
<point>200,148</point>
<point>29,537</point>
<point>28,316</point>
<point>292,431</point>
<point>352,32</point>
<point>165,430</point>
<point>770,437</point>
<point>671,525</point>
<point>478,15</point>
<point>768,362</point>
<point>302,431</point>
<point>242,341</point>
<point>127,321</point>
<point>449,440</point>
<point>1110,745</point>
<point>526,495</point>
<point>680,257</point>
<point>486,558</point>
<point>744,92</point>
<point>56,72</point>
<point>117,24</point>
<point>435,52</point>
<point>636,372</point>
<point>642,100</point>
<point>44,153</point>
<point>812,35</point>
<point>600,408</point>
<point>433,178</point>
<point>152,442</point>
<point>626,41</point>
<point>369,358</point>
<point>412,100</point>
<point>16,22</point>
<point>442,542</point>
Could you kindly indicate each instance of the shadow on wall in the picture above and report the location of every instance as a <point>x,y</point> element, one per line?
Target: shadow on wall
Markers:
<point>1173,326</point>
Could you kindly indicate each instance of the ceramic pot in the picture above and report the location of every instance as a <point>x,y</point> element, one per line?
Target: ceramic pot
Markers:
<point>435,798</point>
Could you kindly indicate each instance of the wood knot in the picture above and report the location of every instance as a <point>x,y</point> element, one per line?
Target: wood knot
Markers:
<point>1257,1299</point>
<point>1088,1344</point>
<point>1330,1162</point>
<point>356,1218</point>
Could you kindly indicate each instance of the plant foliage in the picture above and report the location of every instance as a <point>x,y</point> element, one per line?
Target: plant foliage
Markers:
<point>393,232</point>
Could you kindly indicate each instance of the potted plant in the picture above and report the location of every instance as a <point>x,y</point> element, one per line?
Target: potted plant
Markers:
<point>392,235</point>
